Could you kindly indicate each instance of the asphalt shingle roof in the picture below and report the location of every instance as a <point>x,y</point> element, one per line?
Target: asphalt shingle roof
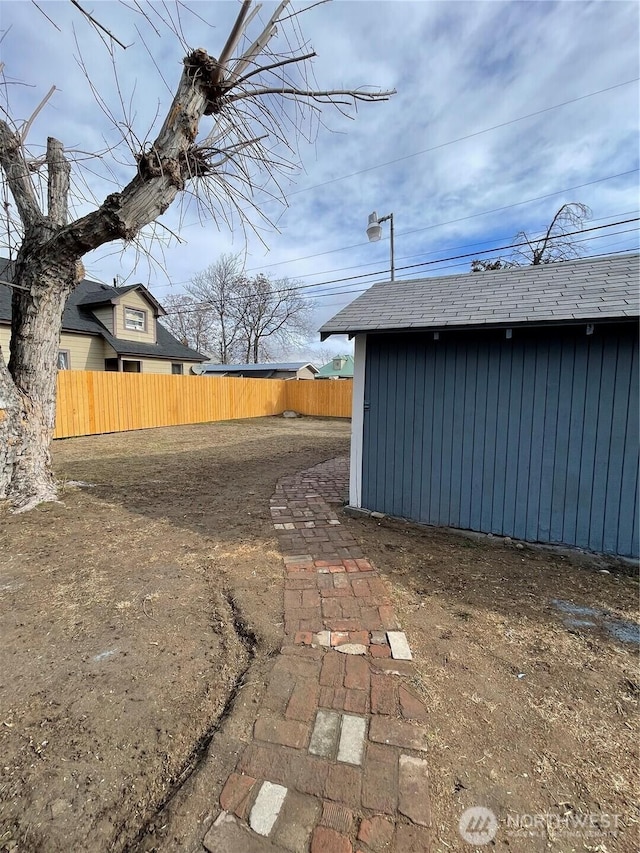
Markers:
<point>78,318</point>
<point>568,291</point>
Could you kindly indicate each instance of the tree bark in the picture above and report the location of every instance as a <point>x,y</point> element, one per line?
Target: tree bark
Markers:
<point>29,384</point>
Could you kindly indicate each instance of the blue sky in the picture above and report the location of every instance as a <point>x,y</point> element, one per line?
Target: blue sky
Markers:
<point>459,68</point>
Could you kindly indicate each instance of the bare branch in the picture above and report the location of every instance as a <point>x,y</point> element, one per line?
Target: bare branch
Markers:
<point>263,68</point>
<point>326,97</point>
<point>53,23</point>
<point>234,37</point>
<point>98,25</point>
<point>260,43</point>
<point>27,125</point>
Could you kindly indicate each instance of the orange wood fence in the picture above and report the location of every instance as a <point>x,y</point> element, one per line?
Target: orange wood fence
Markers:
<point>92,402</point>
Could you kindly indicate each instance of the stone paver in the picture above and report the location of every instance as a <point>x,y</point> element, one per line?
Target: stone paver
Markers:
<point>267,807</point>
<point>325,734</point>
<point>337,764</point>
<point>399,646</point>
<point>351,747</point>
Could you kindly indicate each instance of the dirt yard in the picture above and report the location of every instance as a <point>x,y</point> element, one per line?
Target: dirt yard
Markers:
<point>528,665</point>
<point>139,619</point>
<point>129,614</point>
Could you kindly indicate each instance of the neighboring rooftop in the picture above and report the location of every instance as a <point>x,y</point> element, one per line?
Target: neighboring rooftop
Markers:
<point>340,367</point>
<point>77,317</point>
<point>568,291</point>
<point>264,369</point>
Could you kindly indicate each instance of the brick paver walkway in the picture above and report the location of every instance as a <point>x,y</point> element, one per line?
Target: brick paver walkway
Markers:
<point>337,763</point>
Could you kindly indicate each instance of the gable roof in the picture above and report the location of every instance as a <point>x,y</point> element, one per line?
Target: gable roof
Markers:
<point>346,371</point>
<point>77,317</point>
<point>94,294</point>
<point>589,289</point>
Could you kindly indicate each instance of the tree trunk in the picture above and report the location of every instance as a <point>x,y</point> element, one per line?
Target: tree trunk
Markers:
<point>28,387</point>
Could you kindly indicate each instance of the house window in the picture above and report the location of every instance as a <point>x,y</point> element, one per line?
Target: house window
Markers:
<point>177,368</point>
<point>64,359</point>
<point>111,364</point>
<point>131,366</point>
<point>135,319</point>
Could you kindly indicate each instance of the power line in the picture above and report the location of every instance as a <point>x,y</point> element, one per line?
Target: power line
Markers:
<point>483,242</point>
<point>357,290</point>
<point>467,255</point>
<point>460,219</point>
<point>436,225</point>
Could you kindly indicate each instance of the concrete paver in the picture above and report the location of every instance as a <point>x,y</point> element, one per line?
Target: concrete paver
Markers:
<point>352,734</point>
<point>267,807</point>
<point>399,645</point>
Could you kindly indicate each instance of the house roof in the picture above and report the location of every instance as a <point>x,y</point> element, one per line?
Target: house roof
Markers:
<point>77,317</point>
<point>292,367</point>
<point>104,294</point>
<point>328,370</point>
<point>589,289</point>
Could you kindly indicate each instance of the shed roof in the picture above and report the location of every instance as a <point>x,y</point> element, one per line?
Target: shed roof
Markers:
<point>589,289</point>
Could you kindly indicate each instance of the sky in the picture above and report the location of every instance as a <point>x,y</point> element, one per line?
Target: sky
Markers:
<point>504,111</point>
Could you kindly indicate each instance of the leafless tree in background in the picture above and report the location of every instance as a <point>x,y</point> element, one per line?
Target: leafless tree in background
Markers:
<point>258,96</point>
<point>274,318</point>
<point>216,290</point>
<point>556,244</point>
<point>244,319</point>
<point>190,322</point>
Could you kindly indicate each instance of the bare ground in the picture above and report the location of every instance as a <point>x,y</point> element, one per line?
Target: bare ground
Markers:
<point>140,617</point>
<point>532,710</point>
<point>124,615</point>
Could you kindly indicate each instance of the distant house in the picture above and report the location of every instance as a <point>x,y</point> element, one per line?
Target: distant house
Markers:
<point>108,328</point>
<point>504,402</point>
<point>291,370</point>
<point>340,367</point>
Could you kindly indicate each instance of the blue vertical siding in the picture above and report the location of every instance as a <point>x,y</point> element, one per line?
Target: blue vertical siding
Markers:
<point>534,437</point>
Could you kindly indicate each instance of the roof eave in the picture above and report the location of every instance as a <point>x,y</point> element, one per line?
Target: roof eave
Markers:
<point>458,327</point>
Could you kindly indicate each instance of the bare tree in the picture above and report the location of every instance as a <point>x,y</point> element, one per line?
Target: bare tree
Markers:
<point>191,322</point>
<point>218,291</point>
<point>250,319</point>
<point>274,317</point>
<point>247,91</point>
<point>556,244</point>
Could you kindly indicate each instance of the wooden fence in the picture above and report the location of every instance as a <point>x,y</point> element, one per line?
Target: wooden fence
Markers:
<point>92,402</point>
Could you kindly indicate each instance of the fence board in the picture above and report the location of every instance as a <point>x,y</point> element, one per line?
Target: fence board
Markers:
<point>90,403</point>
<point>325,397</point>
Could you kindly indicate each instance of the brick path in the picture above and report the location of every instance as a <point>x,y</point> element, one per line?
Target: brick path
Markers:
<point>338,758</point>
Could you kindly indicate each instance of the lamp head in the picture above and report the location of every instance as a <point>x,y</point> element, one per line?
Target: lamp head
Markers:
<point>374,229</point>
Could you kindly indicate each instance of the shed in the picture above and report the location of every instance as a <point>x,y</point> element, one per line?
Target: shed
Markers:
<point>504,401</point>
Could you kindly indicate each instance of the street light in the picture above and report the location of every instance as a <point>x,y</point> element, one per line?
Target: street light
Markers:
<point>374,233</point>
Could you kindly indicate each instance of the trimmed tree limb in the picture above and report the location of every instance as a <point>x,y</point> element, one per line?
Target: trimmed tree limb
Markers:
<point>14,165</point>
<point>58,182</point>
